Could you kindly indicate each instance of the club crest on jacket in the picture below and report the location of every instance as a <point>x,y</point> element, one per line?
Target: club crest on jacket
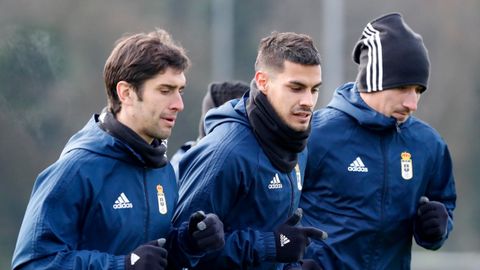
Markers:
<point>406,165</point>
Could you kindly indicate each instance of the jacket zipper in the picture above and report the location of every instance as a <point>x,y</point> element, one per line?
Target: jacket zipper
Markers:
<point>385,179</point>
<point>147,219</point>
<point>384,197</point>
<point>291,210</point>
<point>376,242</point>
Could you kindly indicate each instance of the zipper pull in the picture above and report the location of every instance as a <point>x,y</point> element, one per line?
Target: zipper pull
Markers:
<point>397,126</point>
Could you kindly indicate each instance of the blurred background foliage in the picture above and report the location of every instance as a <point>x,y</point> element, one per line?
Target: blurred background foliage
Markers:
<point>52,54</point>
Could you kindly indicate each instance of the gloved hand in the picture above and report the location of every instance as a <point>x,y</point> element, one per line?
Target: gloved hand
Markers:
<point>431,221</point>
<point>307,264</point>
<point>151,255</point>
<point>205,232</point>
<point>291,241</point>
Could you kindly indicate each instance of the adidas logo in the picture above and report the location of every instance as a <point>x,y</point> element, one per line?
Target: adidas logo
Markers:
<point>275,183</point>
<point>357,166</point>
<point>134,258</point>
<point>122,202</point>
<point>283,240</point>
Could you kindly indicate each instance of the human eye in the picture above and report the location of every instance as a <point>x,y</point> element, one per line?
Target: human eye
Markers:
<point>164,90</point>
<point>295,88</point>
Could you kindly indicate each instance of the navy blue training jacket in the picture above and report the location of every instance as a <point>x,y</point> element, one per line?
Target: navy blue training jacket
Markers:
<point>228,173</point>
<point>364,178</point>
<point>94,205</point>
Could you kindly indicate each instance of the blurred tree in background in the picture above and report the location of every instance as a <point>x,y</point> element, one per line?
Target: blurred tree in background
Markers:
<point>52,54</point>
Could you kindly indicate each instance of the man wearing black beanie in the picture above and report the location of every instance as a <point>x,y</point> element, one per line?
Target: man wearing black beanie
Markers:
<point>376,175</point>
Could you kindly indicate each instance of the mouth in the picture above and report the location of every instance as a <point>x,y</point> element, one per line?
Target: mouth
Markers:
<point>170,120</point>
<point>402,115</point>
<point>303,116</point>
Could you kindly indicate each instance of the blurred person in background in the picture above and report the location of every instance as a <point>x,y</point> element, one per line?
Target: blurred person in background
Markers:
<point>217,94</point>
<point>249,167</point>
<point>108,201</point>
<point>376,175</point>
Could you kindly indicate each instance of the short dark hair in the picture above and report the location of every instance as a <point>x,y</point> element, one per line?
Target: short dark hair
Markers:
<point>139,57</point>
<point>277,48</point>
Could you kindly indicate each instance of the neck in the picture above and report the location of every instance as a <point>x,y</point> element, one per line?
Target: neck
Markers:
<point>126,119</point>
<point>370,101</point>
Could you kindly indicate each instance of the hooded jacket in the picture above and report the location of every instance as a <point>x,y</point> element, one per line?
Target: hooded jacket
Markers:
<point>228,173</point>
<point>364,178</point>
<point>94,205</point>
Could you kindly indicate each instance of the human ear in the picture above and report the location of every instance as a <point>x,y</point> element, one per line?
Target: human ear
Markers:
<point>261,78</point>
<point>125,92</point>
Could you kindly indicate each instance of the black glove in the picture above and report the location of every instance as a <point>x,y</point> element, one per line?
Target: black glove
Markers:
<point>291,241</point>
<point>148,256</point>
<point>205,232</point>
<point>307,264</point>
<point>432,218</point>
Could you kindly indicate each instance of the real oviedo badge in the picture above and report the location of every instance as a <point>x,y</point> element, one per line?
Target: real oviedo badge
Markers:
<point>162,202</point>
<point>406,165</point>
<point>299,177</point>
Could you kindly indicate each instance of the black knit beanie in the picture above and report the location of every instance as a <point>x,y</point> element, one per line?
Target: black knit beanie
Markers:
<point>390,55</point>
<point>219,93</point>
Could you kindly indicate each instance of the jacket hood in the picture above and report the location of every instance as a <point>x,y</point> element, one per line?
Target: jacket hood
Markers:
<point>347,99</point>
<point>92,138</point>
<point>231,111</point>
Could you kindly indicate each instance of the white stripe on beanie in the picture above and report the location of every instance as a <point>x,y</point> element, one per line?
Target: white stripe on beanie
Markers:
<point>383,63</point>
<point>374,72</point>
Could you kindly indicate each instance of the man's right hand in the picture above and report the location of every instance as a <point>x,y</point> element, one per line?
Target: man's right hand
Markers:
<point>291,240</point>
<point>205,232</point>
<point>151,255</point>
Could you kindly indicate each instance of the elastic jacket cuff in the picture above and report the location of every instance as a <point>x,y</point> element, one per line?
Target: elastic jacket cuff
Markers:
<point>270,253</point>
<point>119,262</point>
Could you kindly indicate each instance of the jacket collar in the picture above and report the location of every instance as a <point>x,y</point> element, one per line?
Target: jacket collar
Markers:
<point>348,100</point>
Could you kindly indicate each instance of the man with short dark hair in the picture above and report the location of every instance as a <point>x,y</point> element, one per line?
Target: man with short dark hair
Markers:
<point>108,201</point>
<point>376,175</point>
<point>249,167</point>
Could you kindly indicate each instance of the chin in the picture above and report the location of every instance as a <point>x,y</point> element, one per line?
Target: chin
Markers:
<point>300,128</point>
<point>402,120</point>
<point>163,135</point>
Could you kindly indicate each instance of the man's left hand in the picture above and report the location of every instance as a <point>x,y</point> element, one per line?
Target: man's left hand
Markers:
<point>431,221</point>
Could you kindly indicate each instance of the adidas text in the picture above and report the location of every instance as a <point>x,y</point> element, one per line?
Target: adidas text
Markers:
<point>122,205</point>
<point>357,169</point>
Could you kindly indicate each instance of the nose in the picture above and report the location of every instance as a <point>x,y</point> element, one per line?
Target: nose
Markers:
<point>177,102</point>
<point>411,99</point>
<point>309,99</point>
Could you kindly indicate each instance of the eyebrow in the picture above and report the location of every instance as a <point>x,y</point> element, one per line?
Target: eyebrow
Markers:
<point>170,86</point>
<point>303,85</point>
